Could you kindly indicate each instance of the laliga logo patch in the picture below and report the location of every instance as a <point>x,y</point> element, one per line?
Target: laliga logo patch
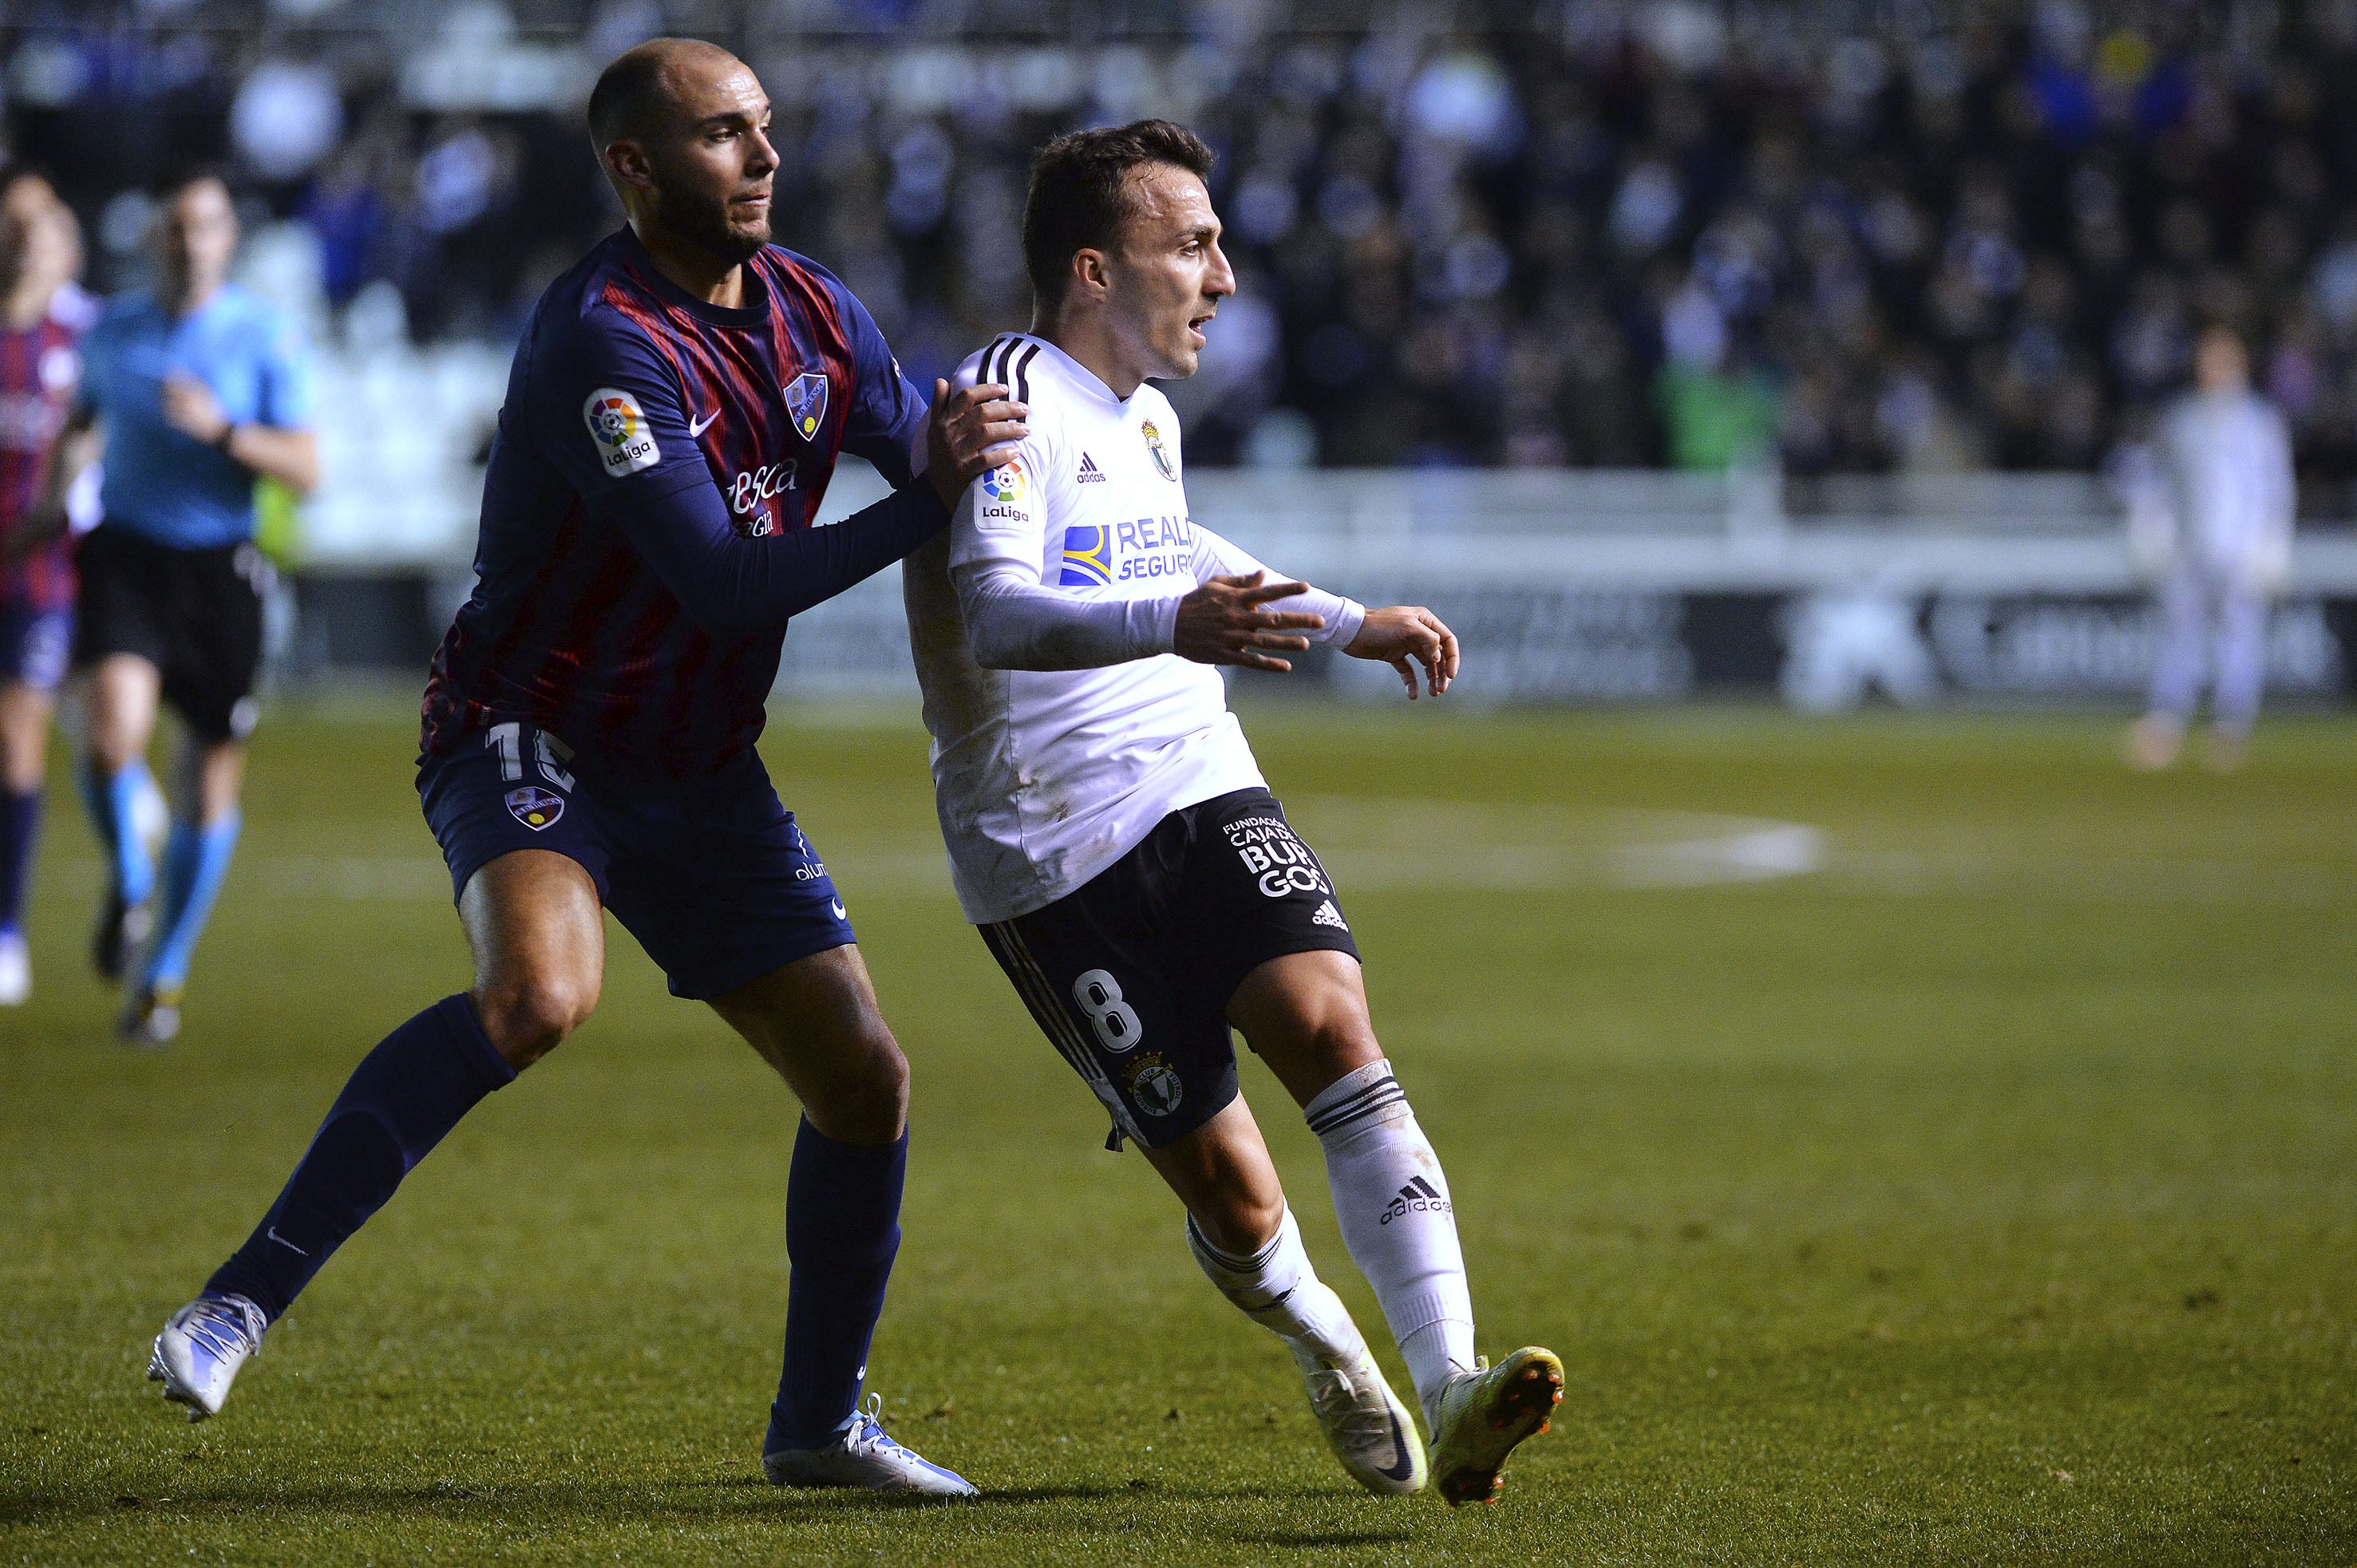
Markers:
<point>1160,454</point>
<point>1088,556</point>
<point>535,807</point>
<point>806,403</point>
<point>1004,484</point>
<point>620,428</point>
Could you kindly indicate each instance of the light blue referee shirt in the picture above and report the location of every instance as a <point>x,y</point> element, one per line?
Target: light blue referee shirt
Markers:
<point>160,484</point>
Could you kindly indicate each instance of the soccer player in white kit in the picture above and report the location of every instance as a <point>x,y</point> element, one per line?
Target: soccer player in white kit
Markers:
<point>2226,485</point>
<point>1112,836</point>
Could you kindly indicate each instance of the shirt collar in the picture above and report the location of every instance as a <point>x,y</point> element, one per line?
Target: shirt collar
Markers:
<point>757,286</point>
<point>1085,379</point>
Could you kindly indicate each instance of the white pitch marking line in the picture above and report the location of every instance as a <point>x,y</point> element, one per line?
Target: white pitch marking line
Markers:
<point>1391,844</point>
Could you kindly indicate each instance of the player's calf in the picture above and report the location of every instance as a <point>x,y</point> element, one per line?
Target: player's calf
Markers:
<point>401,1101</point>
<point>1363,1422</point>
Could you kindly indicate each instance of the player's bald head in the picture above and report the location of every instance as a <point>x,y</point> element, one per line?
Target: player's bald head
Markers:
<point>682,129</point>
<point>653,86</point>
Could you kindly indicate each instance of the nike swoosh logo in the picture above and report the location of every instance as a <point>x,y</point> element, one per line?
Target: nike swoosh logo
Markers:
<point>273,1235</point>
<point>839,912</point>
<point>1406,1465</point>
<point>697,427</point>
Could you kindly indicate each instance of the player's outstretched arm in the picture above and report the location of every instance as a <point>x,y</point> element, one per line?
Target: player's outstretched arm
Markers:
<point>1405,636</point>
<point>1227,622</point>
<point>1013,622</point>
<point>732,586</point>
<point>1327,617</point>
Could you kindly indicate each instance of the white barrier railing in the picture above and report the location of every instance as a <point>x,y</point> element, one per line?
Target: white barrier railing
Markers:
<point>1566,586</point>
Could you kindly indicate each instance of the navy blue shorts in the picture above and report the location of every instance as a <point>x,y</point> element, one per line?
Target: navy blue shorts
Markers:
<point>34,646</point>
<point>1149,951</point>
<point>710,874</point>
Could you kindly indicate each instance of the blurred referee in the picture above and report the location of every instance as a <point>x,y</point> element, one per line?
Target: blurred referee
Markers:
<point>200,388</point>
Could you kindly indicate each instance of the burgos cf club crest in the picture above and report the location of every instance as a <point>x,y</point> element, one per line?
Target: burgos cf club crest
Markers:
<point>1154,1086</point>
<point>806,403</point>
<point>619,426</point>
<point>1088,556</point>
<point>1160,454</point>
<point>535,807</point>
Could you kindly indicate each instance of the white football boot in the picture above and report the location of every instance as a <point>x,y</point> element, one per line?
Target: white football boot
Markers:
<point>198,1355</point>
<point>16,971</point>
<point>1481,1415</point>
<point>1364,1422</point>
<point>862,1454</point>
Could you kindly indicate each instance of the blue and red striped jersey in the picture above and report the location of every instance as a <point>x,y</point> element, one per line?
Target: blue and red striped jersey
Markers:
<point>625,390</point>
<point>39,369</point>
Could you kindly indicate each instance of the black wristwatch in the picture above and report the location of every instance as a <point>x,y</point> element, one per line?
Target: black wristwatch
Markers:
<point>220,442</point>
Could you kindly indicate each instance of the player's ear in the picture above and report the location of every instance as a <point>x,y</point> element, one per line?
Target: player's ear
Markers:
<point>1090,274</point>
<point>626,164</point>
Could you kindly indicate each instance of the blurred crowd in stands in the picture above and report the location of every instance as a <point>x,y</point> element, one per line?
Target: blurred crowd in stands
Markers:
<point>1596,234</point>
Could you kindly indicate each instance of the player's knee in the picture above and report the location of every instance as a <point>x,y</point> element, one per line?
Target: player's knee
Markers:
<point>1240,1221</point>
<point>870,1102</point>
<point>1346,1041</point>
<point>525,1019</point>
<point>1321,1044</point>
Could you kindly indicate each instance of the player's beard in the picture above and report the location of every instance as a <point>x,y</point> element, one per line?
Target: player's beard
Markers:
<point>707,225</point>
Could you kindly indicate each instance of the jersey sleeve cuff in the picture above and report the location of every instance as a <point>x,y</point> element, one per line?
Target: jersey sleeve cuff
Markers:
<point>1342,624</point>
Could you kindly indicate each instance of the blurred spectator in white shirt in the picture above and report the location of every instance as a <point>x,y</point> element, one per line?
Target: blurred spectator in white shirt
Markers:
<point>2218,527</point>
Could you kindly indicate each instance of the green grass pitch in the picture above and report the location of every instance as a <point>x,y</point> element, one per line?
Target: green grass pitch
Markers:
<point>1923,1140</point>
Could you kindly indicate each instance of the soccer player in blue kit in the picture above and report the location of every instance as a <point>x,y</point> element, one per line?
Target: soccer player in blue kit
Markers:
<point>672,417</point>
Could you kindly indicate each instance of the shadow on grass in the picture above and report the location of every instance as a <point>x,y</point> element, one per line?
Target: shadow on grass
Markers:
<point>1327,1537</point>
<point>710,1501</point>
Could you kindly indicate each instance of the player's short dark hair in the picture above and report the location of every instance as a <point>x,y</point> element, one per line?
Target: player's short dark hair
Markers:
<point>625,99</point>
<point>176,177</point>
<point>1080,192</point>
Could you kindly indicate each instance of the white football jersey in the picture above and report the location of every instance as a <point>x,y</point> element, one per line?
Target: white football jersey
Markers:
<point>2228,458</point>
<point>1044,777</point>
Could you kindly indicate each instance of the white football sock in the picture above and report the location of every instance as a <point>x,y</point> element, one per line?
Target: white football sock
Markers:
<point>1398,1222</point>
<point>1277,1288</point>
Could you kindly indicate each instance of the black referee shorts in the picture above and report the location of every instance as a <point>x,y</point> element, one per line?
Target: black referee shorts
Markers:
<point>196,614</point>
<point>1130,975</point>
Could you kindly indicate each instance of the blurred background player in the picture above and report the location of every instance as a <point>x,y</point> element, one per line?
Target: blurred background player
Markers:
<point>674,417</point>
<point>1109,831</point>
<point>199,387</point>
<point>2225,500</point>
<point>42,318</point>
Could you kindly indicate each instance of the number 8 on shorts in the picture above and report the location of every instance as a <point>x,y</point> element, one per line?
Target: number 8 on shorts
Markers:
<point>1115,1022</point>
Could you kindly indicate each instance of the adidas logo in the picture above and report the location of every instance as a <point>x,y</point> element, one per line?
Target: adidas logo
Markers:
<point>1090,473</point>
<point>1330,916</point>
<point>1417,1196</point>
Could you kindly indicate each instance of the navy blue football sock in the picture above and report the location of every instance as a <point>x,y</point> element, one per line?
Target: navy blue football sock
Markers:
<point>843,1229</point>
<point>399,1102</point>
<point>20,825</point>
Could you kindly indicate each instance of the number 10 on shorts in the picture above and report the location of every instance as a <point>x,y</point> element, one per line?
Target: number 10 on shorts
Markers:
<point>1115,1022</point>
